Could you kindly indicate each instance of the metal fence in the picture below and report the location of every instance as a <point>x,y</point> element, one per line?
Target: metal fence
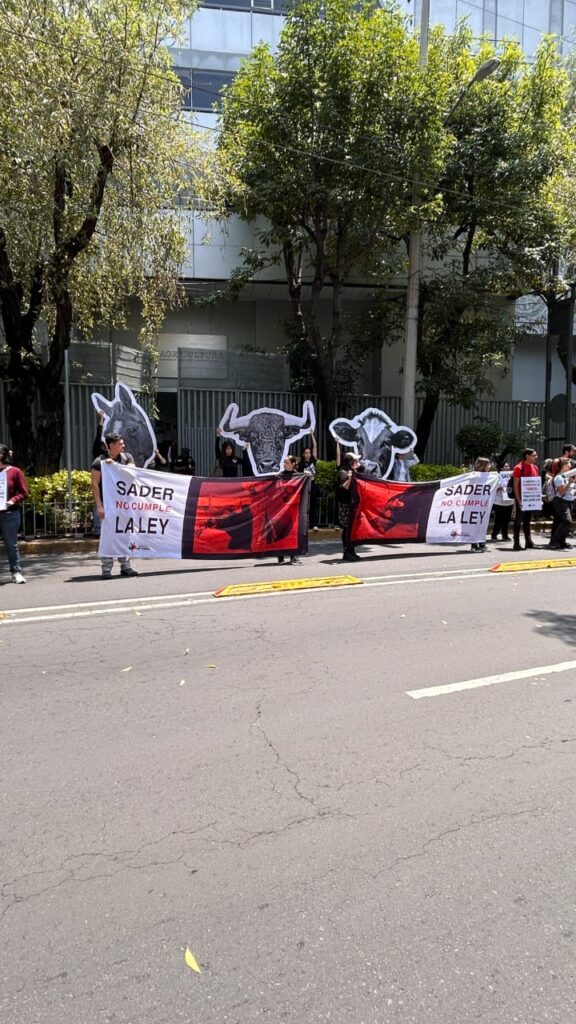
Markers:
<point>200,411</point>
<point>55,519</point>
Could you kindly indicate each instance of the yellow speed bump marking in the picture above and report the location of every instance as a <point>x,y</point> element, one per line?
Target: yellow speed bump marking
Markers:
<point>545,563</point>
<point>239,589</point>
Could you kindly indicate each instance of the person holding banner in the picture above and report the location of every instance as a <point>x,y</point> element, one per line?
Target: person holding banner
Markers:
<point>115,453</point>
<point>13,491</point>
<point>503,505</point>
<point>524,470</point>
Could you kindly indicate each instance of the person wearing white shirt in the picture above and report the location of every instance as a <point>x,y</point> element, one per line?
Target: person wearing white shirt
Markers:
<point>562,505</point>
<point>402,465</point>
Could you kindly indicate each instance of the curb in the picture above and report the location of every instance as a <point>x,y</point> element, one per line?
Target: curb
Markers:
<point>89,545</point>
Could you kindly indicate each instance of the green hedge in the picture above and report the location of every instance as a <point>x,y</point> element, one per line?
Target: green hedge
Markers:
<point>326,473</point>
<point>54,488</point>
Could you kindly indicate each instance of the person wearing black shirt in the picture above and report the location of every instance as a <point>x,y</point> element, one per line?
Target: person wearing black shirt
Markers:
<point>346,473</point>
<point>287,473</point>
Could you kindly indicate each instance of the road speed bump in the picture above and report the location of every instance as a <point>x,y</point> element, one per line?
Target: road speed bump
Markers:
<point>545,563</point>
<point>240,589</point>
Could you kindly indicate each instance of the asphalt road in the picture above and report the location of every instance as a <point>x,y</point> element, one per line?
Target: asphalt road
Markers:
<point>259,780</point>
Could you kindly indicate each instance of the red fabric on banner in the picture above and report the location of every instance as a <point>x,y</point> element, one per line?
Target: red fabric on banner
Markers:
<point>236,517</point>
<point>383,510</point>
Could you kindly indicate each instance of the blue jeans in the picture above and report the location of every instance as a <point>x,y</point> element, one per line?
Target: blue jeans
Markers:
<point>9,526</point>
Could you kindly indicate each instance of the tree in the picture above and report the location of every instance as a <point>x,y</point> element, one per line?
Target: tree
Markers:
<point>92,153</point>
<point>502,217</point>
<point>322,141</point>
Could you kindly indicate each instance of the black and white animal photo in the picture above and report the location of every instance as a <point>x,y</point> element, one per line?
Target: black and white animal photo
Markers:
<point>267,434</point>
<point>374,438</point>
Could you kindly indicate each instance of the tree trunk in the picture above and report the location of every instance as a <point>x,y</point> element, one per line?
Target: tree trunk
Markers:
<point>425,421</point>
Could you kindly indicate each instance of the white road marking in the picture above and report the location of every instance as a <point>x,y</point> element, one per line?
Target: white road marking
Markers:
<point>503,677</point>
<point>87,609</point>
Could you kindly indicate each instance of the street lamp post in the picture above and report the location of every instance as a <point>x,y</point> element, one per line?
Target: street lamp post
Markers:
<point>487,68</point>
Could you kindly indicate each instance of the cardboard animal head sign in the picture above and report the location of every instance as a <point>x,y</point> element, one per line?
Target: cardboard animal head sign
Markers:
<point>374,438</point>
<point>124,416</point>
<point>267,434</point>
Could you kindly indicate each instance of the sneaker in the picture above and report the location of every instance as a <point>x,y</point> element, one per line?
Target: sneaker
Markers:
<point>17,577</point>
<point>106,575</point>
<point>529,544</point>
<point>315,527</point>
<point>128,571</point>
<point>517,548</point>
<point>295,561</point>
<point>280,559</point>
<point>348,558</point>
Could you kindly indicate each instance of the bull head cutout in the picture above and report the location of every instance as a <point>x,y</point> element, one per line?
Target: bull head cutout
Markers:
<point>124,416</point>
<point>267,434</point>
<point>374,438</point>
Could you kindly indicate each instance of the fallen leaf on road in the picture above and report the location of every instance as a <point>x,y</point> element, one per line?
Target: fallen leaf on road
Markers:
<point>128,669</point>
<point>182,681</point>
<point>187,651</point>
<point>191,961</point>
<point>137,613</point>
<point>211,666</point>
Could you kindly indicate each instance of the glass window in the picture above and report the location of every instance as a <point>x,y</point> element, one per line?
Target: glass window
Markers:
<point>207,86</point>
<point>443,12</point>
<point>186,83</point>
<point>242,5</point>
<point>473,15</point>
<point>531,40</point>
<point>512,9</point>
<point>507,27</point>
<point>537,14</point>
<point>569,17</point>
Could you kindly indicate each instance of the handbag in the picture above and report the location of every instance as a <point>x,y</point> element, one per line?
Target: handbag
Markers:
<point>217,471</point>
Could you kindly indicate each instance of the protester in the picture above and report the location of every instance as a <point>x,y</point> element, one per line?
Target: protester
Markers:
<point>307,464</point>
<point>184,464</point>
<point>402,465</point>
<point>525,468</point>
<point>226,459</point>
<point>16,493</point>
<point>346,473</point>
<point>563,486</point>
<point>115,453</point>
<point>482,465</point>
<point>287,473</point>
<point>98,449</point>
<point>159,462</point>
<point>502,506</point>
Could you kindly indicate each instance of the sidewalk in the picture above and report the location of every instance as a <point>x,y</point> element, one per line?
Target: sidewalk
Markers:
<point>85,545</point>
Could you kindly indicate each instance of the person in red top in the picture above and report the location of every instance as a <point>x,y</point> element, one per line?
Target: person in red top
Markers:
<point>526,467</point>
<point>11,498</point>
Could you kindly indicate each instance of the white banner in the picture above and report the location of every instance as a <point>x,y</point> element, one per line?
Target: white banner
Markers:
<point>144,512</point>
<point>3,490</point>
<point>461,509</point>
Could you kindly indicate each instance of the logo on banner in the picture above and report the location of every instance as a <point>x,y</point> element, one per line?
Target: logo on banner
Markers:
<point>374,438</point>
<point>267,434</point>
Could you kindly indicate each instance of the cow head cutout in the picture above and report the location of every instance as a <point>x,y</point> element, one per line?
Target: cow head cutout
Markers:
<point>374,438</point>
<point>124,416</point>
<point>267,434</point>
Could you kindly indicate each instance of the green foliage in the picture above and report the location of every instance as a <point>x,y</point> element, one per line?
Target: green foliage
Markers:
<point>322,139</point>
<point>94,149</point>
<point>478,439</point>
<point>326,471</point>
<point>484,437</point>
<point>54,488</point>
<point>429,471</point>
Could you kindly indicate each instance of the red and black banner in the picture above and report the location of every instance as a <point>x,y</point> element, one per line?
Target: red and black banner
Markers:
<point>231,518</point>
<point>383,510</point>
